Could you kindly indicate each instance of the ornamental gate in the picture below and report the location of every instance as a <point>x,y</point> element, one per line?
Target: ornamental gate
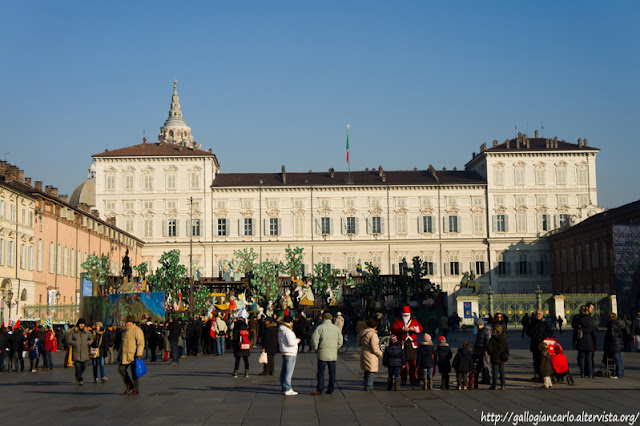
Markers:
<point>515,306</point>
<point>600,314</point>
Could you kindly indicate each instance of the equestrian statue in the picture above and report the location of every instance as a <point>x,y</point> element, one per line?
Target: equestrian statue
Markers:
<point>469,281</point>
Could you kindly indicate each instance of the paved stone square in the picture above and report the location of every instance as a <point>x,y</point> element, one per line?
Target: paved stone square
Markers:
<point>200,390</point>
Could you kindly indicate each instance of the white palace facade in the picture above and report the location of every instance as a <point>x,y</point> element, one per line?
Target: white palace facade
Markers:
<point>491,218</point>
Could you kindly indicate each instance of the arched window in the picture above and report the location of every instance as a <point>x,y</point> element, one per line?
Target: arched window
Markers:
<point>23,295</point>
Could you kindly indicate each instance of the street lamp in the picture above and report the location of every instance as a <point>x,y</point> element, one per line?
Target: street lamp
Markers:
<point>9,297</point>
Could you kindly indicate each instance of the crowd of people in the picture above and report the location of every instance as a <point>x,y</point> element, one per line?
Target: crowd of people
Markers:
<point>412,356</point>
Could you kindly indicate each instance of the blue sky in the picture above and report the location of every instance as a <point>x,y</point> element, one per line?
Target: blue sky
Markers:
<point>271,83</point>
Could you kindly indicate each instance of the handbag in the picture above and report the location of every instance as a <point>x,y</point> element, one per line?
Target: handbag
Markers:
<point>264,358</point>
<point>95,352</point>
<point>141,368</point>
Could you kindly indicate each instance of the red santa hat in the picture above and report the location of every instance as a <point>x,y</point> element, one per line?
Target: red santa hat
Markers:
<point>406,310</point>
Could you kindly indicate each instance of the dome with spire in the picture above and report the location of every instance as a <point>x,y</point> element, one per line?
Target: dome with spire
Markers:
<point>85,193</point>
<point>175,130</point>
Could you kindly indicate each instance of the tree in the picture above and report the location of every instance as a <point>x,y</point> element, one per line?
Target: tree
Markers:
<point>141,269</point>
<point>246,258</point>
<point>201,299</point>
<point>324,278</point>
<point>371,286</point>
<point>265,281</point>
<point>170,277</point>
<point>97,270</point>
<point>293,264</point>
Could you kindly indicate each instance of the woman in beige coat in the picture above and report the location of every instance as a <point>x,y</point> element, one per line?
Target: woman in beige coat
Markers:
<point>370,353</point>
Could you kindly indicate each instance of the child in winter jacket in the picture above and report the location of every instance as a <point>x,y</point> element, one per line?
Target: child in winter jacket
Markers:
<point>394,359</point>
<point>426,353</point>
<point>498,351</point>
<point>443,361</point>
<point>463,364</point>
<point>546,367</point>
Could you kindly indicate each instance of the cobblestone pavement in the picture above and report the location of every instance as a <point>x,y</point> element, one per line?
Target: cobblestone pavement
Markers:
<point>201,390</point>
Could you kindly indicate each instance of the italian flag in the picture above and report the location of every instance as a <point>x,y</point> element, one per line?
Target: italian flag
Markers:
<point>347,148</point>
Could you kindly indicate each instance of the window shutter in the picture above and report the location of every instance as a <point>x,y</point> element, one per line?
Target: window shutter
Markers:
<point>459,224</point>
<point>318,226</point>
<point>357,222</point>
<point>529,268</point>
<point>432,224</point>
<point>556,221</point>
<point>240,226</point>
<point>421,224</point>
<point>164,228</point>
<point>445,227</point>
<point>382,225</point>
<point>445,268</point>
<point>494,222</point>
<point>265,222</point>
<point>486,267</point>
<point>279,227</point>
<point>177,228</point>
<point>506,223</point>
<point>188,227</point>
<point>368,225</point>
<point>343,225</point>
<point>435,268</point>
<point>331,225</point>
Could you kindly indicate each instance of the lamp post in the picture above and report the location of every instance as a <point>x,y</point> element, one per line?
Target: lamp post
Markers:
<point>191,258</point>
<point>9,297</point>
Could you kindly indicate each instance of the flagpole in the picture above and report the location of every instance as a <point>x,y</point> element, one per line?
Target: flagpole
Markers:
<point>348,160</point>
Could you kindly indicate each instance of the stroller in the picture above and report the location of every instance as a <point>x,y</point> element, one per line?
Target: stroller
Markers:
<point>607,366</point>
<point>559,362</point>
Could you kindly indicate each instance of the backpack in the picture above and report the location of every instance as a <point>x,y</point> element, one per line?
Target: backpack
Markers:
<point>243,340</point>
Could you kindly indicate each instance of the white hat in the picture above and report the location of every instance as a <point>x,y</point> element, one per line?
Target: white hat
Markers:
<point>339,314</point>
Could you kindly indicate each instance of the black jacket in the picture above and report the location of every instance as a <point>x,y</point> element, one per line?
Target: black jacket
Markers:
<point>425,355</point>
<point>498,349</point>
<point>270,339</point>
<point>240,325</point>
<point>613,340</point>
<point>482,340</point>
<point>538,331</point>
<point>175,329</point>
<point>589,334</point>
<point>15,341</point>
<point>443,358</point>
<point>463,361</point>
<point>300,327</point>
<point>104,345</point>
<point>4,342</point>
<point>394,356</point>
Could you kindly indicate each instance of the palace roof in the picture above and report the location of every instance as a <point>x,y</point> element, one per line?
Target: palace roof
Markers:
<point>155,150</point>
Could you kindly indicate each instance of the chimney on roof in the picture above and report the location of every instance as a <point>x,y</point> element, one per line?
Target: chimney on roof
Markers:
<point>111,221</point>
<point>555,142</point>
<point>95,213</point>
<point>38,185</point>
<point>455,169</point>
<point>54,191</point>
<point>444,169</point>
<point>529,143</point>
<point>536,134</point>
<point>47,189</point>
<point>584,142</point>
<point>508,144</point>
<point>84,207</point>
<point>384,177</point>
<point>495,142</point>
<point>380,172</point>
<point>546,143</point>
<point>20,175</point>
<point>27,180</point>
<point>579,142</point>
<point>332,172</point>
<point>64,198</point>
<point>483,147</point>
<point>144,140</point>
<point>284,175</point>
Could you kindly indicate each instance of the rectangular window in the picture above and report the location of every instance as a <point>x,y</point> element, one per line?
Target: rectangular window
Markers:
<point>11,254</point>
<point>563,200</point>
<point>543,222</point>
<point>454,268</point>
<point>478,201</point>
<point>504,268</point>
<point>325,225</point>
<point>40,255</point>
<point>147,205</point>
<point>541,200</point>
<point>350,263</point>
<point>583,200</point>
<point>501,223</point>
<point>479,267</point>
<point>562,219</point>
<point>375,202</point>
<point>2,208</point>
<point>52,258</point>
<point>452,201</point>
<point>171,181</point>
<point>128,182</point>
<point>298,225</point>
<point>172,228</point>
<point>376,260</point>
<point>376,225</point>
<point>540,178</point>
<point>65,267</point>
<point>148,228</point>
<point>350,225</point>
<point>562,176</point>
<point>273,226</point>
<point>195,227</point>
<point>111,182</point>
<point>128,205</point>
<point>13,213</point>
<point>110,205</point>
<point>247,226</point>
<point>453,224</point>
<point>478,224</point>
<point>401,224</point>
<point>30,219</point>
<point>298,204</point>
<point>425,202</point>
<point>349,202</point>
<point>195,180</point>
<point>128,226</point>
<point>23,256</point>
<point>272,204</point>
<point>401,202</point>
<point>32,256</point>
<point>222,227</point>
<point>543,265</point>
<point>519,176</point>
<point>499,201</point>
<point>59,259</point>
<point>427,224</point>
<point>521,201</point>
<point>248,204</point>
<point>2,251</point>
<point>498,176</point>
<point>221,204</point>
<point>325,203</point>
<point>522,265</point>
<point>582,176</point>
<point>521,222</point>
<point>148,182</point>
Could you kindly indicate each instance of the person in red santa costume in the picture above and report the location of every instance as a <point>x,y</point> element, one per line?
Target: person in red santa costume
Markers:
<point>407,329</point>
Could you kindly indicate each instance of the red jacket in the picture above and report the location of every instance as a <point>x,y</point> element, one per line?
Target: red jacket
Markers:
<point>411,334</point>
<point>50,341</point>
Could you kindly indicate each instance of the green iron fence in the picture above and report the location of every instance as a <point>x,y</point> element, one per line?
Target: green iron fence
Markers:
<point>58,313</point>
<point>600,314</point>
<point>515,306</point>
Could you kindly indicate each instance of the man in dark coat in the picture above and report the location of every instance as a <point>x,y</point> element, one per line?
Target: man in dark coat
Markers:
<point>16,342</point>
<point>175,329</point>
<point>479,352</point>
<point>538,330</point>
<point>585,336</point>
<point>614,344</point>
<point>270,345</point>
